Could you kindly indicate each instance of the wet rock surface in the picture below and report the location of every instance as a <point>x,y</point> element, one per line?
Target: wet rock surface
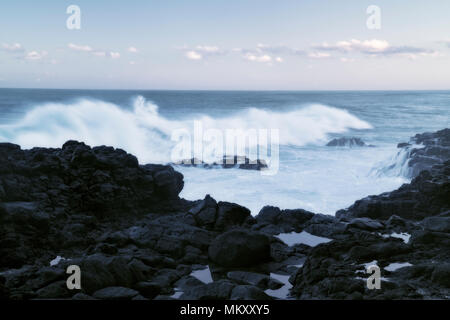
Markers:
<point>239,162</point>
<point>426,149</point>
<point>347,142</point>
<point>133,238</point>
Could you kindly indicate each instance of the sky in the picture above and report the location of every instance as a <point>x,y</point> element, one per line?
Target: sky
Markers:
<point>226,45</point>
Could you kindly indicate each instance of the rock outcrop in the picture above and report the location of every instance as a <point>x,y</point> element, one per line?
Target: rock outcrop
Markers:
<point>133,238</point>
<point>239,162</point>
<point>347,142</point>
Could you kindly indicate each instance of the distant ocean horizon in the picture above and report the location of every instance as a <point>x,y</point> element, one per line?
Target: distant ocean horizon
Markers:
<point>311,176</point>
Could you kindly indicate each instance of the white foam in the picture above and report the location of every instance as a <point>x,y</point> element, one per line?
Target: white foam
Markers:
<point>302,238</point>
<point>310,176</point>
<point>404,236</point>
<point>145,133</point>
<point>56,261</point>
<point>396,265</point>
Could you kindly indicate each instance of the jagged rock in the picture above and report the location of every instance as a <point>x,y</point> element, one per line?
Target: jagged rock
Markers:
<point>125,226</point>
<point>428,194</point>
<point>205,212</point>
<point>227,162</point>
<point>230,215</point>
<point>439,224</point>
<point>403,144</point>
<point>273,220</point>
<point>434,149</point>
<point>365,224</point>
<point>346,142</point>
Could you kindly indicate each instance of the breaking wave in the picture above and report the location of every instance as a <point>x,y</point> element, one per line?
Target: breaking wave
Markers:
<point>143,131</point>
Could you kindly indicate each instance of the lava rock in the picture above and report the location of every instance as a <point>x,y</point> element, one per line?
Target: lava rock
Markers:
<point>346,142</point>
<point>237,248</point>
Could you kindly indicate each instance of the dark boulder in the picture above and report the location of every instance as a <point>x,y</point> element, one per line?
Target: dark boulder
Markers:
<point>238,248</point>
<point>231,215</point>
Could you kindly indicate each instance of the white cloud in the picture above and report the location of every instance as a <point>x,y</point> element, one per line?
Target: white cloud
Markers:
<point>319,55</point>
<point>193,55</point>
<point>132,63</point>
<point>133,50</point>
<point>279,59</point>
<point>376,47</point>
<point>368,46</point>
<point>35,55</point>
<point>14,47</point>
<point>97,53</point>
<point>79,48</point>
<point>258,58</point>
<point>202,51</point>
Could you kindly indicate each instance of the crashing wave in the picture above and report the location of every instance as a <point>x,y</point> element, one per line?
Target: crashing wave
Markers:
<point>145,132</point>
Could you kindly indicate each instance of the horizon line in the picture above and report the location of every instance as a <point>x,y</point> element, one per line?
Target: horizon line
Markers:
<point>224,90</point>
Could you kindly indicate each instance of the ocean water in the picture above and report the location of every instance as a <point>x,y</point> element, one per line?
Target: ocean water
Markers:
<point>311,175</point>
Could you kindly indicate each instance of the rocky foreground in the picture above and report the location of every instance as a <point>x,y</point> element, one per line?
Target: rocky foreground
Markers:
<point>132,236</point>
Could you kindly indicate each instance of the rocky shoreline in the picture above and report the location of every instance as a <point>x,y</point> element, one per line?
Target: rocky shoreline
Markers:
<point>132,236</point>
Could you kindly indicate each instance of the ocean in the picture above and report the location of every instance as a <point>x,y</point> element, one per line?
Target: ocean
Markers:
<point>310,175</point>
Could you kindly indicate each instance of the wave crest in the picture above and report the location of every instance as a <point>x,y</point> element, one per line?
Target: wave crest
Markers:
<point>144,132</point>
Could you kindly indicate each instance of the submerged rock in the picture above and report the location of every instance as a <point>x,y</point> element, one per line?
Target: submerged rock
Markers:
<point>239,162</point>
<point>346,142</point>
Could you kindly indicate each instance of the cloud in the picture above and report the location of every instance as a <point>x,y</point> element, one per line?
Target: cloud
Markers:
<point>79,48</point>
<point>376,47</point>
<point>278,49</point>
<point>202,51</point>
<point>366,46</point>
<point>94,52</point>
<point>258,58</point>
<point>14,47</point>
<point>266,53</point>
<point>193,55</point>
<point>133,50</point>
<point>36,55</point>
